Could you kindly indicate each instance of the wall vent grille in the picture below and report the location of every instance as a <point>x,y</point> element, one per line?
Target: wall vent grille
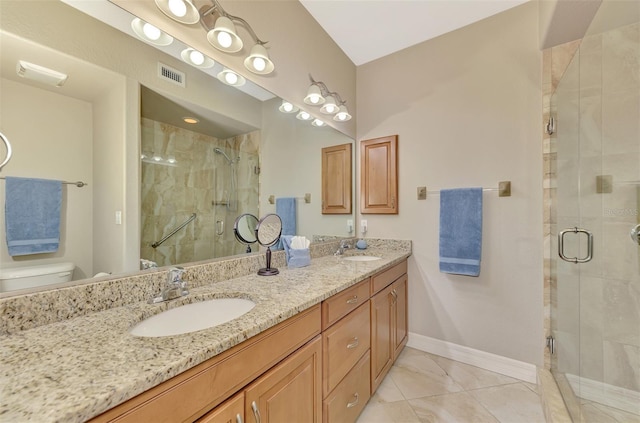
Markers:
<point>172,75</point>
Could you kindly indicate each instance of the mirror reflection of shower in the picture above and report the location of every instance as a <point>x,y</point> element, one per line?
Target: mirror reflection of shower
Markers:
<point>232,192</point>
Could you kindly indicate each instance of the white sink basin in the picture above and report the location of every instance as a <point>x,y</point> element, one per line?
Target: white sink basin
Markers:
<point>193,317</point>
<point>361,258</point>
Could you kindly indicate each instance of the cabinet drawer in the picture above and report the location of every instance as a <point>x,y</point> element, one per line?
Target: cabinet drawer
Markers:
<point>344,302</point>
<point>343,345</point>
<point>383,279</point>
<point>346,402</point>
<point>231,411</point>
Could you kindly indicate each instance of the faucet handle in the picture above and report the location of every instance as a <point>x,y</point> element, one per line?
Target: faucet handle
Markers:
<point>175,275</point>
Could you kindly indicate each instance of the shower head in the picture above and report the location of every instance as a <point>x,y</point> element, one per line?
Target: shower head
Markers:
<point>219,151</point>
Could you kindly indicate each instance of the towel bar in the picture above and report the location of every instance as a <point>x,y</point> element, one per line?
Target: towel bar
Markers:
<point>306,198</point>
<point>79,184</point>
<point>504,189</point>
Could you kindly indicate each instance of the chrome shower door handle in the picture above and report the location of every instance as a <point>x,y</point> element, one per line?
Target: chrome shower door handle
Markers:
<point>576,260</point>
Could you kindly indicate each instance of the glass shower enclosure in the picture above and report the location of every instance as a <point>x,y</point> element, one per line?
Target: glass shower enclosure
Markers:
<point>595,290</point>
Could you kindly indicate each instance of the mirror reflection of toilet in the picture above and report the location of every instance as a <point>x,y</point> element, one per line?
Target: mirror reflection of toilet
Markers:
<point>12,279</point>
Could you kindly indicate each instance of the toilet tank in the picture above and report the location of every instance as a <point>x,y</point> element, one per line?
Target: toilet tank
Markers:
<point>34,276</point>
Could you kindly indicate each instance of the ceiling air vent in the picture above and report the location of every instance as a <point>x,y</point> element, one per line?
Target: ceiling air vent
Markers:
<point>170,74</point>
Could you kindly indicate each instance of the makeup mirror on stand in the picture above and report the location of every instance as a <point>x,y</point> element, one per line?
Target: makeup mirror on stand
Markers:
<point>268,233</point>
<point>244,229</point>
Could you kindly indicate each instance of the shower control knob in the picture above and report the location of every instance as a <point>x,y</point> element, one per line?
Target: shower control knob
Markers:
<point>635,234</point>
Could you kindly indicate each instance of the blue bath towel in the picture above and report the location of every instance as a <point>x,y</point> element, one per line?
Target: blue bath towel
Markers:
<point>461,231</point>
<point>32,215</point>
<point>286,209</point>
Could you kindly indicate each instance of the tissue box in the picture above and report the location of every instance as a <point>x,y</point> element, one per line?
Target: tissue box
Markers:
<point>299,257</point>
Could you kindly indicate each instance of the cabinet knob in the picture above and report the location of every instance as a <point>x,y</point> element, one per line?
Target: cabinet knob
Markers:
<point>354,402</point>
<point>353,343</point>
<point>352,300</point>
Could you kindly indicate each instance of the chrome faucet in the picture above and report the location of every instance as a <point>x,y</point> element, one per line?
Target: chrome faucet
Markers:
<point>344,245</point>
<point>175,287</point>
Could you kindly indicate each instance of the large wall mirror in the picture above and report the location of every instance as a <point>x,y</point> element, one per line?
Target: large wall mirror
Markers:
<point>119,127</point>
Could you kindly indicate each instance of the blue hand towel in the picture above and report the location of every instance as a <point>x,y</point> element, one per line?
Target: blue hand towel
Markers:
<point>32,215</point>
<point>286,209</point>
<point>461,231</point>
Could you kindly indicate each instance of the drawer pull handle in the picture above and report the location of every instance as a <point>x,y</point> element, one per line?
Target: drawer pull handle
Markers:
<point>256,412</point>
<point>238,418</point>
<point>353,300</point>
<point>353,343</point>
<point>354,402</point>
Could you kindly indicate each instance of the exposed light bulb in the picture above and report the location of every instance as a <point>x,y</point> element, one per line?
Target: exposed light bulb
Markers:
<point>341,116</point>
<point>304,115</point>
<point>288,107</point>
<point>151,31</point>
<point>224,39</point>
<point>314,98</point>
<point>317,122</point>
<point>196,57</point>
<point>171,160</point>
<point>331,108</point>
<point>178,8</point>
<point>157,158</point>
<point>231,78</point>
<point>259,64</point>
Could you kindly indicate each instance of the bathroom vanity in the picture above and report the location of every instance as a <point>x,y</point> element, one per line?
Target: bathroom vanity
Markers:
<point>319,341</point>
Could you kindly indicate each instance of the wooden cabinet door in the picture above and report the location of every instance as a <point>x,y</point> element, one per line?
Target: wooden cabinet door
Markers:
<point>230,411</point>
<point>401,330</point>
<point>291,391</point>
<point>336,179</point>
<point>379,175</point>
<point>382,334</point>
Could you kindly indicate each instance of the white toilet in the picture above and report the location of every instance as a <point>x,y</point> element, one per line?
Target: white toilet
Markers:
<point>35,276</point>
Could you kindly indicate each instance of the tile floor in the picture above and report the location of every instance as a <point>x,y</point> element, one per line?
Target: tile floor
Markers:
<point>422,387</point>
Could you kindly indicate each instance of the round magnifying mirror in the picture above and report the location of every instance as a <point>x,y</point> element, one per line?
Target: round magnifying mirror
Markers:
<point>244,229</point>
<point>268,232</point>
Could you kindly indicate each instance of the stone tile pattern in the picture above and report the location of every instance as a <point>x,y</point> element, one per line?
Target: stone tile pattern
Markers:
<point>201,183</point>
<point>79,367</point>
<point>422,387</point>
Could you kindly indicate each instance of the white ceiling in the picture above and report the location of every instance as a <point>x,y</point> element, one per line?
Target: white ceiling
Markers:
<point>369,29</point>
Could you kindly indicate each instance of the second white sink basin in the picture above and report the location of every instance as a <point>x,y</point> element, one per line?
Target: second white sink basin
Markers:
<point>361,258</point>
<point>193,317</point>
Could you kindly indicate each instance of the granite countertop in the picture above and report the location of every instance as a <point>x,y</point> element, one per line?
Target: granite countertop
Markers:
<point>73,370</point>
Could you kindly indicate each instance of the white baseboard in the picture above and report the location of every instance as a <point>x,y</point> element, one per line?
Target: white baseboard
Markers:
<point>603,393</point>
<point>484,360</point>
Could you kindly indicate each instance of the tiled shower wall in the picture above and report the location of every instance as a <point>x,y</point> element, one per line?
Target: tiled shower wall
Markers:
<point>201,182</point>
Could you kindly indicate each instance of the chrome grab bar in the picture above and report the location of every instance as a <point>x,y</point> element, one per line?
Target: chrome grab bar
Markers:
<point>576,260</point>
<point>173,232</point>
<point>8,145</point>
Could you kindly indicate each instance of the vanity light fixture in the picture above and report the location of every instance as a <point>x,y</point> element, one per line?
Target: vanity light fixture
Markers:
<point>287,107</point>
<point>302,115</point>
<point>196,58</point>
<point>229,77</point>
<point>40,74</point>
<point>221,31</point>
<point>329,107</point>
<point>149,33</point>
<point>181,10</point>
<point>318,123</point>
<point>319,94</point>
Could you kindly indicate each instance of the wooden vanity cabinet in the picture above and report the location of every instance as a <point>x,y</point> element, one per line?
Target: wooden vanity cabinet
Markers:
<point>388,321</point>
<point>320,365</point>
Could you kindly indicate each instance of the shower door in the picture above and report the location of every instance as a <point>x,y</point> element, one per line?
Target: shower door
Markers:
<point>595,295</point>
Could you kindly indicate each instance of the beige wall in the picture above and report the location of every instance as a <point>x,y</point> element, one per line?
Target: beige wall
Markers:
<point>466,107</point>
<point>291,160</point>
<point>52,145</point>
